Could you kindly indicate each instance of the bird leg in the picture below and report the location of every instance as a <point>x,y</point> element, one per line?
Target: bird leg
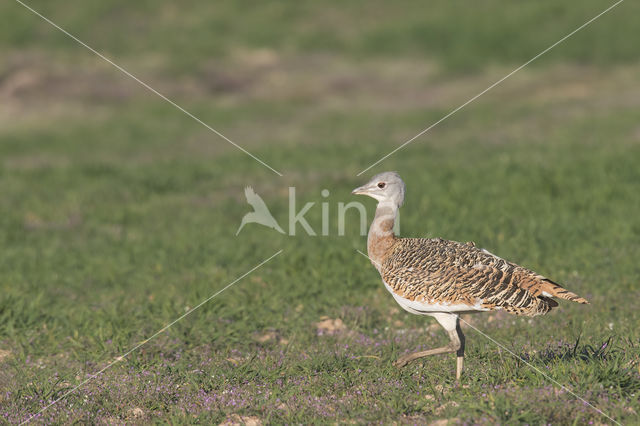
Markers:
<point>460,351</point>
<point>456,345</point>
<point>406,359</point>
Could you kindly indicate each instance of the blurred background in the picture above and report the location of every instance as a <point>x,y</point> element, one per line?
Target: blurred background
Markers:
<point>118,211</point>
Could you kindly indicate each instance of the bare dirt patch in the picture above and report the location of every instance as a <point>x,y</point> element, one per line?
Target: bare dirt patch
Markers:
<point>330,326</point>
<point>4,354</point>
<point>238,420</point>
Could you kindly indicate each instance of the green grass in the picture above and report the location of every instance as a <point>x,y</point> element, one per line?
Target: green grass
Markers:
<point>459,36</point>
<point>119,213</point>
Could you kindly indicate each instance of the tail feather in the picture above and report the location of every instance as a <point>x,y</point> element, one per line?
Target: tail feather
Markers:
<point>551,289</point>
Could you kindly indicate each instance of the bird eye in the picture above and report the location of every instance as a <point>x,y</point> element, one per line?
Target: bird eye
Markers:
<point>382,185</point>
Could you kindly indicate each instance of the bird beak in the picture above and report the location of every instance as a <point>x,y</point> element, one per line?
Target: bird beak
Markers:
<point>360,190</point>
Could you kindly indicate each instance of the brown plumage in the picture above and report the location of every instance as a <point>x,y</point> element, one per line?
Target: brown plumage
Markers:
<point>447,271</point>
<point>444,278</point>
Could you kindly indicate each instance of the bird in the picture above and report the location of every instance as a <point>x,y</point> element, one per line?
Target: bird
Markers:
<point>260,213</point>
<point>444,279</point>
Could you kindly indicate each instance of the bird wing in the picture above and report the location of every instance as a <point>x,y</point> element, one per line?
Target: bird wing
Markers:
<point>454,273</point>
<point>254,200</point>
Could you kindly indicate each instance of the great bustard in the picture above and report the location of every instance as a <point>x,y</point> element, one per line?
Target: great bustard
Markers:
<point>443,278</point>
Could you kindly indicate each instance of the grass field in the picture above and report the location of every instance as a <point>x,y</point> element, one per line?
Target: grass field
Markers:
<point>119,213</point>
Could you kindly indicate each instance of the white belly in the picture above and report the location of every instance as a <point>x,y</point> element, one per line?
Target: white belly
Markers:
<point>428,307</point>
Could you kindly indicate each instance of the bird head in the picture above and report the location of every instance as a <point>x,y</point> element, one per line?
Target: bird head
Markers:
<point>385,187</point>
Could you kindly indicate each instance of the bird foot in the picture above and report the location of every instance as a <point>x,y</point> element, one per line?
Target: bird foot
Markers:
<point>402,361</point>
